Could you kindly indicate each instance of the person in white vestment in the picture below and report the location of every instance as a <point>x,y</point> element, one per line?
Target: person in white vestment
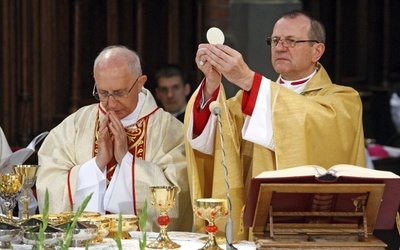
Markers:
<point>5,151</point>
<point>395,110</point>
<point>116,149</point>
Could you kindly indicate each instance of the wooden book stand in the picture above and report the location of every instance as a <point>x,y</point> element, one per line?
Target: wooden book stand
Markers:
<point>317,216</point>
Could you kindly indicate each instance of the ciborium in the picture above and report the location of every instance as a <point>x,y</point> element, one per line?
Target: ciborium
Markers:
<point>128,223</point>
<point>10,188</point>
<point>211,210</point>
<point>163,198</point>
<point>103,225</point>
<point>28,173</point>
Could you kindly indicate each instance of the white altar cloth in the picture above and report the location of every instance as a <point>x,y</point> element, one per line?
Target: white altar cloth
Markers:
<point>188,241</point>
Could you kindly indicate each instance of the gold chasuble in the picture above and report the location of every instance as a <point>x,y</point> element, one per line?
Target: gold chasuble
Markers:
<point>321,126</point>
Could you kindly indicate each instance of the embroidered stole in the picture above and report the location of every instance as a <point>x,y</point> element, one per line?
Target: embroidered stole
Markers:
<point>136,143</point>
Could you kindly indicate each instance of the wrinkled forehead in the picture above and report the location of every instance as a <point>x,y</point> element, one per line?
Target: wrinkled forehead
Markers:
<point>111,63</point>
<point>297,27</point>
<point>109,69</point>
<point>112,78</point>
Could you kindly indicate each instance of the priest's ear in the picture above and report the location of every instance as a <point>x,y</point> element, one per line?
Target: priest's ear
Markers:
<point>318,51</point>
<point>141,81</point>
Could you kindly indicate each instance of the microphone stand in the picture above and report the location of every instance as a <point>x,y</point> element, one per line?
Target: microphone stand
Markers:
<point>229,223</point>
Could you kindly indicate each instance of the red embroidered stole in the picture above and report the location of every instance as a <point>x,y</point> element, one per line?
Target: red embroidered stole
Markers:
<point>136,146</point>
<point>136,143</point>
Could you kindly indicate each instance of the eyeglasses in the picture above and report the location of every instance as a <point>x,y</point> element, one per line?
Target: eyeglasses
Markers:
<point>119,95</point>
<point>286,42</point>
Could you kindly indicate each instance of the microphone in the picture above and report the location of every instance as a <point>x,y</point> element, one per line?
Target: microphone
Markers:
<point>215,108</point>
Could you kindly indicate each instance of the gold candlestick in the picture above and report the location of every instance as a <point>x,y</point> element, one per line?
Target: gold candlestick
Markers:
<point>163,197</point>
<point>211,210</point>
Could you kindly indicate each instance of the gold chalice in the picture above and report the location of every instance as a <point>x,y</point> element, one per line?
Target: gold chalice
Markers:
<point>211,210</point>
<point>28,173</point>
<point>10,187</point>
<point>163,197</point>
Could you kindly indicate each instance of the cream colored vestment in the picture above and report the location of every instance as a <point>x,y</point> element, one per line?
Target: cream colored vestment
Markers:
<point>70,144</point>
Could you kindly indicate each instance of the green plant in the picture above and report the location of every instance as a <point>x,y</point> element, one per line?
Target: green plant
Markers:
<point>119,236</point>
<point>142,226</point>
<point>71,227</point>
<point>45,219</point>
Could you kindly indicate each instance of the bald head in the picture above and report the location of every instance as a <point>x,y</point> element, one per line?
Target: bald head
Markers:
<point>118,55</point>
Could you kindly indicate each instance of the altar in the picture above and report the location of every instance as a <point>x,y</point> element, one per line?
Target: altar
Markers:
<point>187,240</point>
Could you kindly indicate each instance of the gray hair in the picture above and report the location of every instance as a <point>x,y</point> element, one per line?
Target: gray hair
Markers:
<point>121,53</point>
<point>317,29</point>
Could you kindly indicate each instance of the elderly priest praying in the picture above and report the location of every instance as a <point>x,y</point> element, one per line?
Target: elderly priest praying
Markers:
<point>116,149</point>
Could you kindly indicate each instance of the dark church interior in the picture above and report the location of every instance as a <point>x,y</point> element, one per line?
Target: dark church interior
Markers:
<point>48,47</point>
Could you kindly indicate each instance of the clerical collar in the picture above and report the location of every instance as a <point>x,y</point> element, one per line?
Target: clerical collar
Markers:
<point>132,118</point>
<point>296,82</point>
<point>293,83</point>
<point>297,85</point>
<point>179,112</point>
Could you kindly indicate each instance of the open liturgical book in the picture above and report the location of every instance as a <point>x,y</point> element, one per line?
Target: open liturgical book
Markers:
<point>20,156</point>
<point>338,174</point>
<point>334,172</point>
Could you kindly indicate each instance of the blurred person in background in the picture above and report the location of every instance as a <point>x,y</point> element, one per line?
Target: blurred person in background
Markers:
<point>172,89</point>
